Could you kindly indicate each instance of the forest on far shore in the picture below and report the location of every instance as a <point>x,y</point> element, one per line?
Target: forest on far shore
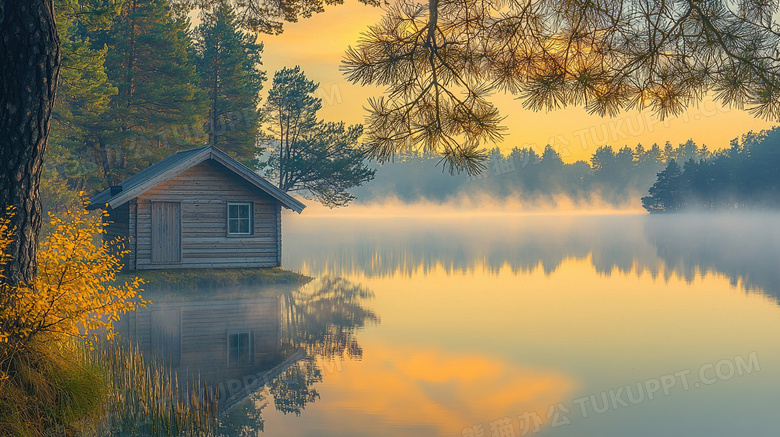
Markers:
<point>667,178</point>
<point>746,175</point>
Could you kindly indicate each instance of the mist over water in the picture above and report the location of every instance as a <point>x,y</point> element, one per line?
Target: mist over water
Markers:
<point>393,238</point>
<point>482,202</point>
<point>745,247</point>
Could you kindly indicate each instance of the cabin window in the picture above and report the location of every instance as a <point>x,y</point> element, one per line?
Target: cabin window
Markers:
<point>239,218</point>
<point>239,348</point>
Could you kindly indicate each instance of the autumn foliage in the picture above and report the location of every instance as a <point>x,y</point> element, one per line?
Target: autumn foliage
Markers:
<point>74,294</point>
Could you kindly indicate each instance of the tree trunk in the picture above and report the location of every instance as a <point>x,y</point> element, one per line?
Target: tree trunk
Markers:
<point>29,70</point>
<point>214,93</point>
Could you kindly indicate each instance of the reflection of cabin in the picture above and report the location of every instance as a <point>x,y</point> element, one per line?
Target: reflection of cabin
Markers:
<point>210,334</point>
<point>219,342</point>
<point>197,208</point>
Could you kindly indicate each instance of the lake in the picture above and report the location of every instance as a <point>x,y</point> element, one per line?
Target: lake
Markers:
<point>466,324</point>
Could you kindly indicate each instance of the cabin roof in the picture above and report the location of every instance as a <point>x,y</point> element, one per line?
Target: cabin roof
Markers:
<point>171,166</point>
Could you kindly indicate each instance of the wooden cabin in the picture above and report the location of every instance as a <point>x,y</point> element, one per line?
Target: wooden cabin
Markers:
<point>197,208</point>
<point>234,345</point>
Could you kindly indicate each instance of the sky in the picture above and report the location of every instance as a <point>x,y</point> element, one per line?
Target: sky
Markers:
<point>317,44</point>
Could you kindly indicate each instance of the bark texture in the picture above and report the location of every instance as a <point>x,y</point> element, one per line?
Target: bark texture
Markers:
<point>29,70</point>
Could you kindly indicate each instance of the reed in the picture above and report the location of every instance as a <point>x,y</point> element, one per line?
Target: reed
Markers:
<point>144,396</point>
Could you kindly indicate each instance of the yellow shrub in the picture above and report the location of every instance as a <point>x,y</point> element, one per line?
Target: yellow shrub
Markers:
<point>6,236</point>
<point>73,293</point>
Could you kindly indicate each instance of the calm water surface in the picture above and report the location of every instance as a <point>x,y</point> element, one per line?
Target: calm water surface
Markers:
<point>508,325</point>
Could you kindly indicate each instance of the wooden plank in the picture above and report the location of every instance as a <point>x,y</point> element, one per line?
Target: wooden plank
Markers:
<point>191,193</point>
<point>208,306</point>
<point>222,265</point>
<point>197,199</point>
<point>194,236</point>
<point>279,235</point>
<point>253,256</point>
<point>194,228</point>
<point>263,219</point>
<point>243,253</point>
<point>118,229</point>
<point>133,229</point>
<point>200,320</point>
<point>166,335</point>
<point>229,250</point>
<point>166,232</point>
<point>217,242</point>
<point>257,261</point>
<point>190,234</point>
<point>223,260</point>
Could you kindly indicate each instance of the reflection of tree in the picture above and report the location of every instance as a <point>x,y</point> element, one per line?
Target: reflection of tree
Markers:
<point>742,247</point>
<point>322,317</point>
<point>245,419</point>
<point>294,389</point>
<point>522,243</point>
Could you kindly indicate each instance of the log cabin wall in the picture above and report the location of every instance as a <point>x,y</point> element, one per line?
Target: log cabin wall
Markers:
<point>203,193</point>
<point>133,239</point>
<point>118,222</point>
<point>195,335</point>
<point>118,226</point>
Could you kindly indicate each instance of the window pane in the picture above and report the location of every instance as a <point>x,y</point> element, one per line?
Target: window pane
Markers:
<point>244,348</point>
<point>240,218</point>
<point>239,348</point>
<point>243,226</point>
<point>233,349</point>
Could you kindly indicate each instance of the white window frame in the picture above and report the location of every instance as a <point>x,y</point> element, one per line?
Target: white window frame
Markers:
<point>251,218</point>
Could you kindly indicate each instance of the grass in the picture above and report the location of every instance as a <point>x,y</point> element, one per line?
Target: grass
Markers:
<point>214,279</point>
<point>68,389</point>
<point>47,392</point>
<point>205,284</point>
<point>144,397</point>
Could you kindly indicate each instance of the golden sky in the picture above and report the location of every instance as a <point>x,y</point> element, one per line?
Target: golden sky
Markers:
<point>317,45</point>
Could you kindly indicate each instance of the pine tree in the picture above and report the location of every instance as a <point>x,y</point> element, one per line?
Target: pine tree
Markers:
<point>159,104</point>
<point>291,110</point>
<point>228,64</point>
<point>666,193</point>
<point>82,102</point>
<point>319,159</point>
<point>648,165</point>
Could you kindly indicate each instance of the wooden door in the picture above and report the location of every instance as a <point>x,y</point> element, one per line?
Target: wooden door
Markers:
<point>166,232</point>
<point>166,335</point>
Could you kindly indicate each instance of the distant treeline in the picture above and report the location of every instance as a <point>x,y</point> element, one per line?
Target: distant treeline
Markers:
<point>745,175</point>
<point>617,176</point>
